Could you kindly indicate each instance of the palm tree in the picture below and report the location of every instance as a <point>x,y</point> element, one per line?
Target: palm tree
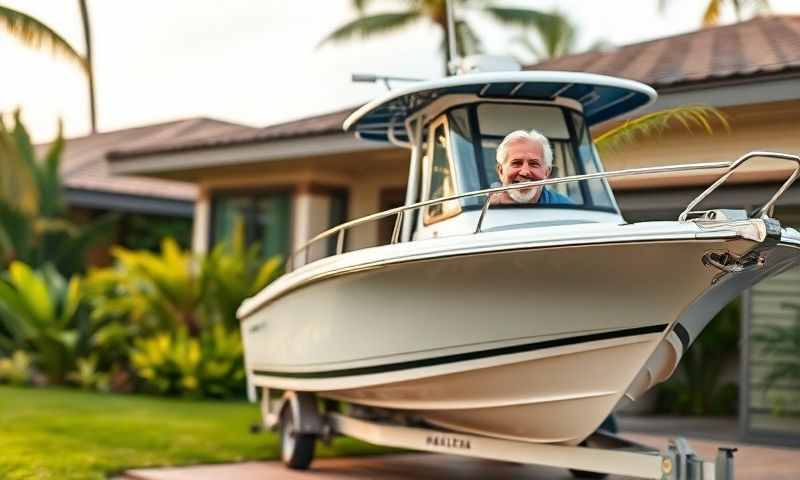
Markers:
<point>35,34</point>
<point>714,8</point>
<point>551,39</point>
<point>87,37</point>
<point>433,11</point>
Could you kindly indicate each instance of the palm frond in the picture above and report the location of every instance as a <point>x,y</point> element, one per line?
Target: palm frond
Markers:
<point>51,195</point>
<point>361,5</point>
<point>531,52</point>
<point>557,36</point>
<point>691,117</point>
<point>17,184</point>
<point>35,34</point>
<point>712,12</point>
<point>467,41</point>
<point>520,17</point>
<point>377,24</point>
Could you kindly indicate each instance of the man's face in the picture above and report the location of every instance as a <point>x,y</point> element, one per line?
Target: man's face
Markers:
<point>524,163</point>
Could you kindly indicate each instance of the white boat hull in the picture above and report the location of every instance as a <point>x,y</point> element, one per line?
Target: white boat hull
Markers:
<point>534,344</point>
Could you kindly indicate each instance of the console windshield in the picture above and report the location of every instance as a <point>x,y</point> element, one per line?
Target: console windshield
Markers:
<point>477,129</point>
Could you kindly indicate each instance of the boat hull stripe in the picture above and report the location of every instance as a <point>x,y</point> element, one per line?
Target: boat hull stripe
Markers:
<point>461,357</point>
<point>683,336</point>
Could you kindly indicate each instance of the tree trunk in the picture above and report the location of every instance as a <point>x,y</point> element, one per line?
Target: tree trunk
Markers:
<point>87,35</point>
<point>445,45</point>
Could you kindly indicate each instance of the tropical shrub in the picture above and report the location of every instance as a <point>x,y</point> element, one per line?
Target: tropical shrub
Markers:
<point>174,288</point>
<point>16,369</point>
<point>175,363</point>
<point>168,318</point>
<point>33,225</point>
<point>87,376</point>
<point>696,388</point>
<point>232,272</point>
<point>153,291</point>
<point>40,312</point>
<point>780,345</point>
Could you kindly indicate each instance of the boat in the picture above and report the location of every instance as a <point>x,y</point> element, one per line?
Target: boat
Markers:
<point>523,322</point>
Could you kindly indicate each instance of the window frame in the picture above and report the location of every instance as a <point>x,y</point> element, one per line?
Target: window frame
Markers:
<point>449,209</point>
<point>252,192</point>
<point>472,111</point>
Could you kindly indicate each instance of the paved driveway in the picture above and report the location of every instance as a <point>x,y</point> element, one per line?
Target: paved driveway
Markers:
<point>752,463</point>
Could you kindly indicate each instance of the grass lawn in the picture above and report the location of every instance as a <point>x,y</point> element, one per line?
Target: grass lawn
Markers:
<point>67,434</point>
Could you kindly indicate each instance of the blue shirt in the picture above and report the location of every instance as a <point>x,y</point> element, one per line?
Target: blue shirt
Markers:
<point>550,197</point>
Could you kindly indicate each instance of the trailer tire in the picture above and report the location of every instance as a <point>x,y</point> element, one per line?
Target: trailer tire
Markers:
<point>297,449</point>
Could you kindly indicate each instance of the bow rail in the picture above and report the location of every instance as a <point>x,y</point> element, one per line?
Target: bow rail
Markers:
<point>400,212</point>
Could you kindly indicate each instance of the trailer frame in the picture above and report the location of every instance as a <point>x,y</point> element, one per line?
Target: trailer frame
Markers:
<point>603,452</point>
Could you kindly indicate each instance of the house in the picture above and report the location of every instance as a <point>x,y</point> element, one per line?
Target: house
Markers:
<point>147,207</point>
<point>291,181</point>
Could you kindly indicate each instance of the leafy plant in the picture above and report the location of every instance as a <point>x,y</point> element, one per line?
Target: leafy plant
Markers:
<point>713,9</point>
<point>40,312</point>
<point>178,364</point>
<point>33,224</point>
<point>690,117</point>
<point>87,376</point>
<point>17,369</point>
<point>781,344</point>
<point>145,232</point>
<point>697,388</point>
<point>434,12</point>
<point>162,290</point>
<point>176,288</point>
<point>183,305</point>
<point>233,272</point>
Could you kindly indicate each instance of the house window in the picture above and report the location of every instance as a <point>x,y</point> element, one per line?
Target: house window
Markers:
<point>773,362</point>
<point>264,218</point>
<point>337,214</point>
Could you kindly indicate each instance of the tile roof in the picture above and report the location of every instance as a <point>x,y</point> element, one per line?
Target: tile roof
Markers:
<point>761,46</point>
<point>327,123</point>
<point>84,164</point>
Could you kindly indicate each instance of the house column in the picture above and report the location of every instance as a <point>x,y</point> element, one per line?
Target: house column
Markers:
<point>310,217</point>
<point>201,227</point>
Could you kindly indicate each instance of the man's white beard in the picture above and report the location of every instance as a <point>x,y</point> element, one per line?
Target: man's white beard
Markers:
<point>521,196</point>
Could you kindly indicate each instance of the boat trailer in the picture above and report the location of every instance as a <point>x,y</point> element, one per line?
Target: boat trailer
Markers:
<point>296,415</point>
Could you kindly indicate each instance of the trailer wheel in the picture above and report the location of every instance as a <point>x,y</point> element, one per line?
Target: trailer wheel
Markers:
<point>297,449</point>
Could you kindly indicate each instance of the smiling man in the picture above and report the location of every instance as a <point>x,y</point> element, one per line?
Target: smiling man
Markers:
<point>525,157</point>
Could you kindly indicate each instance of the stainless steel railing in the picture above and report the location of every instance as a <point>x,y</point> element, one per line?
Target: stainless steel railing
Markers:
<point>766,209</point>
<point>399,212</point>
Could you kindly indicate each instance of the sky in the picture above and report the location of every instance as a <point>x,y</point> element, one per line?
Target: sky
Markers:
<point>258,62</point>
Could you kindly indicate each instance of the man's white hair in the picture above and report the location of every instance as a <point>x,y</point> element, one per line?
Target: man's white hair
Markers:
<point>517,135</point>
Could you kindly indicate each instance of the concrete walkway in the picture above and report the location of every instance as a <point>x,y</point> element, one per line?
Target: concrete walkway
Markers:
<point>752,463</point>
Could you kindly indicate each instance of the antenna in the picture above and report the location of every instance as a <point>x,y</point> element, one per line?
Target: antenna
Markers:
<point>372,78</point>
<point>452,67</point>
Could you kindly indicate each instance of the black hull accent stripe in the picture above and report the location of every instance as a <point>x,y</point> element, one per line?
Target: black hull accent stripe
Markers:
<point>683,336</point>
<point>460,357</point>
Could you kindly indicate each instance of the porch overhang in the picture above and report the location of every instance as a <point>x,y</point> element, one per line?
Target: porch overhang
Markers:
<point>184,163</point>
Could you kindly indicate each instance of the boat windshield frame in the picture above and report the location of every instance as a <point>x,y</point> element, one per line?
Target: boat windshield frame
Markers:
<point>580,160</point>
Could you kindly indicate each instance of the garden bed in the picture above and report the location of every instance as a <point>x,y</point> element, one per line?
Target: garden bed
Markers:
<point>69,434</point>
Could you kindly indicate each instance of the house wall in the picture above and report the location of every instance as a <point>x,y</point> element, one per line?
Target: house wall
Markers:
<point>363,175</point>
<point>763,412</point>
<point>771,126</point>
